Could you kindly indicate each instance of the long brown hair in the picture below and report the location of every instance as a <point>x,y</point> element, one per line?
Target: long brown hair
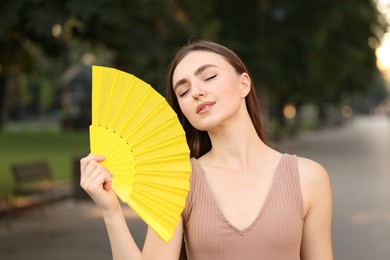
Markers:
<point>199,141</point>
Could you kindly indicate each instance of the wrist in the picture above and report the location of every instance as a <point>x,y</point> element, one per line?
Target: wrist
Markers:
<point>113,212</point>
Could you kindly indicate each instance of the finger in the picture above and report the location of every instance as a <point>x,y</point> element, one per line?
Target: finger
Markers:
<point>86,160</point>
<point>91,169</point>
<point>107,183</point>
<point>89,157</point>
<point>97,157</point>
<point>98,180</point>
<point>95,170</point>
<point>92,179</point>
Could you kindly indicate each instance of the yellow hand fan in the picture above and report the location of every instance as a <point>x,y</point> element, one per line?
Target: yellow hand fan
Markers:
<point>145,147</point>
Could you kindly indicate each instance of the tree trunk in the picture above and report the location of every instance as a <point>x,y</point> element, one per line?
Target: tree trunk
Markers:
<point>281,121</point>
<point>3,87</point>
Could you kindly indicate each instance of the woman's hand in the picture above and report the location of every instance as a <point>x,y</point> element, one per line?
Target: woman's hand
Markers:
<point>96,181</point>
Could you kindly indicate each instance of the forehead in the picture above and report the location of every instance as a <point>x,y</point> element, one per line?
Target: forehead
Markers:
<point>195,59</point>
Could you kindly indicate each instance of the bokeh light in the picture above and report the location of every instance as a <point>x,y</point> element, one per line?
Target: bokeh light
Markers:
<point>289,111</point>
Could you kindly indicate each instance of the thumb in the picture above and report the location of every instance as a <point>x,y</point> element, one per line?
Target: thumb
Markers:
<point>107,185</point>
<point>97,157</point>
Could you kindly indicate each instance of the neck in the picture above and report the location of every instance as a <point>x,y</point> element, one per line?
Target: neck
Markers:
<point>236,145</point>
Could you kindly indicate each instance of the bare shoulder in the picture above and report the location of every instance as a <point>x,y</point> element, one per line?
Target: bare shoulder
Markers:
<point>311,171</point>
<point>315,183</point>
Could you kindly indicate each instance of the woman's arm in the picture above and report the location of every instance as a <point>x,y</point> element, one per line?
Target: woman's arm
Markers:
<point>156,248</point>
<point>96,181</point>
<point>317,201</point>
<point>122,243</point>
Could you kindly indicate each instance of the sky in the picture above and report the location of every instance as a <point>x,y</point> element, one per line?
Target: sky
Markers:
<point>384,7</point>
<point>383,52</point>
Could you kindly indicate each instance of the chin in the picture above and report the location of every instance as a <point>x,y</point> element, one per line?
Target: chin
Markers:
<point>206,126</point>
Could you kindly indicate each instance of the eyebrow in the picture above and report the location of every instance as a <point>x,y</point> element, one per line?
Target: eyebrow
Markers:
<point>197,72</point>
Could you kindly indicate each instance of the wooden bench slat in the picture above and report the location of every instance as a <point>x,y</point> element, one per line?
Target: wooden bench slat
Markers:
<point>34,180</point>
<point>33,177</point>
<point>28,172</point>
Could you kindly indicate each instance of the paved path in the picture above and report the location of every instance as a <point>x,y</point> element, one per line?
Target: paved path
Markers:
<point>357,157</point>
<point>67,230</point>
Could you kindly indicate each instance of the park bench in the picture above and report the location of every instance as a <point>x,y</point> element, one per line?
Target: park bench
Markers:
<point>35,180</point>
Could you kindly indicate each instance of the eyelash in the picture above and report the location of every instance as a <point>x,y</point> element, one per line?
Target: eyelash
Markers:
<point>182,94</point>
<point>211,77</point>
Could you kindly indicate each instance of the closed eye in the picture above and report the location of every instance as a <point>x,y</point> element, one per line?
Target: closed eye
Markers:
<point>183,93</point>
<point>211,77</point>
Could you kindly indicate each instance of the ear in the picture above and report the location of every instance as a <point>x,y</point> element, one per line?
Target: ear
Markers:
<point>246,84</point>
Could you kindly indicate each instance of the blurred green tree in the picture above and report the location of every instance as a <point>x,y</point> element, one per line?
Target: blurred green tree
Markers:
<point>298,51</point>
<point>26,35</point>
<point>316,51</point>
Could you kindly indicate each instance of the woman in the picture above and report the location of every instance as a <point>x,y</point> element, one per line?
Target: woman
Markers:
<point>247,200</point>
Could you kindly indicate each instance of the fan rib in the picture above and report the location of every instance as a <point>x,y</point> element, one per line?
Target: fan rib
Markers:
<point>145,147</point>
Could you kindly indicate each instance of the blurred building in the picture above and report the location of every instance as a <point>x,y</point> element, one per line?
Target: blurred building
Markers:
<point>75,95</point>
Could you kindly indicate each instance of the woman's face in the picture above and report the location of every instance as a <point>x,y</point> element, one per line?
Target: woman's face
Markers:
<point>208,89</point>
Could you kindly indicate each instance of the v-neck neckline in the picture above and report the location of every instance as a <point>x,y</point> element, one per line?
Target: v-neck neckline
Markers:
<point>267,198</point>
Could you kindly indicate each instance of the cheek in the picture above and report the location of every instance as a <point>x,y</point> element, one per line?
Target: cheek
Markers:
<point>229,86</point>
<point>184,107</point>
<point>230,93</point>
<point>189,113</point>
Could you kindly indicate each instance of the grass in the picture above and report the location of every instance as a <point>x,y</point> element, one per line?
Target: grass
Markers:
<point>59,149</point>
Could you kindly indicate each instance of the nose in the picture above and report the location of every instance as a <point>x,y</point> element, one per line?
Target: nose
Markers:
<point>197,91</point>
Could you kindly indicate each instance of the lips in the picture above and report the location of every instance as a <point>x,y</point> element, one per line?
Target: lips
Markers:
<point>204,107</point>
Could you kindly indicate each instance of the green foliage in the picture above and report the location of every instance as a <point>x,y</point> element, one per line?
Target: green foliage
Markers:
<point>319,50</point>
<point>297,51</point>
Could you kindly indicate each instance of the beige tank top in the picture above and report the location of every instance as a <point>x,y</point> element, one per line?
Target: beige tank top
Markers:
<point>275,234</point>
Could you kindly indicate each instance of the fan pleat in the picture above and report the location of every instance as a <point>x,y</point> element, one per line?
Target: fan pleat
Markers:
<point>165,162</point>
<point>164,134</point>
<point>155,205</point>
<point>161,172</point>
<point>143,106</point>
<point>153,122</point>
<point>111,145</point>
<point>121,192</point>
<point>101,91</point>
<point>116,102</point>
<point>161,227</point>
<point>170,147</point>
<point>145,147</point>
<point>125,178</point>
<point>158,178</point>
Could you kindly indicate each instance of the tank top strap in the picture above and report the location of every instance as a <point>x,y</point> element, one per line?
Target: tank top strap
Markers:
<point>288,180</point>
